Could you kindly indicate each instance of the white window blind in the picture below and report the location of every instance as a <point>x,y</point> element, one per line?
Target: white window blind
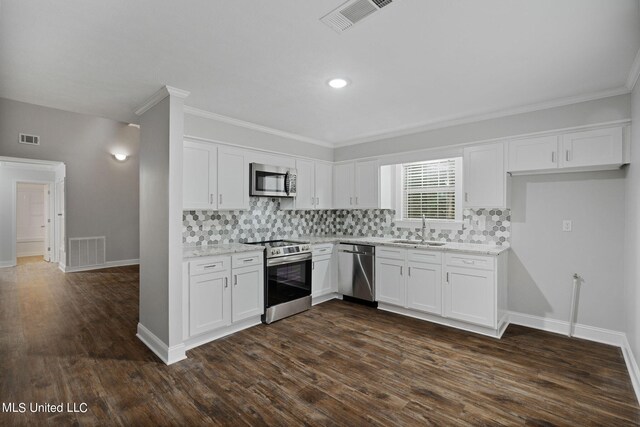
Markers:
<point>429,188</point>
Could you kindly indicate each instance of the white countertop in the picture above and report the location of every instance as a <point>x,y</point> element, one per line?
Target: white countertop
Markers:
<point>191,251</point>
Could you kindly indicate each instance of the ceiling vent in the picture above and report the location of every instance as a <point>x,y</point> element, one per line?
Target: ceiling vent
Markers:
<point>346,15</point>
<point>29,139</point>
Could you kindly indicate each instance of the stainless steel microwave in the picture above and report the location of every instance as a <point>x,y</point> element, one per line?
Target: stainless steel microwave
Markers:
<point>272,181</point>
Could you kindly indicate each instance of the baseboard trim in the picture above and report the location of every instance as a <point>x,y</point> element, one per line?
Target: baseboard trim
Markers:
<point>324,298</point>
<point>108,264</point>
<point>591,333</point>
<point>168,355</point>
<point>6,264</point>
<point>632,367</point>
<point>205,338</point>
<point>31,253</point>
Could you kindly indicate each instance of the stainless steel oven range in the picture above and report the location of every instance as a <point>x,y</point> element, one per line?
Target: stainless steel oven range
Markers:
<point>287,279</point>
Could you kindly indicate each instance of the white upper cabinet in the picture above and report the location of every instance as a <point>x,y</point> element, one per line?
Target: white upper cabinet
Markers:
<point>324,185</point>
<point>343,185</point>
<point>305,184</point>
<point>592,148</point>
<point>356,185</point>
<point>485,178</point>
<point>233,188</point>
<point>199,176</point>
<point>533,154</point>
<point>366,191</point>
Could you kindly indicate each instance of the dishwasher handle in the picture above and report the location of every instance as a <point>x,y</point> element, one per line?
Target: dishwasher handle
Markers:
<point>356,253</point>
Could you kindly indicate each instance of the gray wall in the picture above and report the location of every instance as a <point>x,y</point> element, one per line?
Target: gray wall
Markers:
<point>101,193</point>
<point>225,132</point>
<point>632,233</point>
<point>584,113</point>
<point>544,258</point>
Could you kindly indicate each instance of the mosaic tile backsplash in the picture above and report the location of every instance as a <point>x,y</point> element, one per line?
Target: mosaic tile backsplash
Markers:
<point>264,220</point>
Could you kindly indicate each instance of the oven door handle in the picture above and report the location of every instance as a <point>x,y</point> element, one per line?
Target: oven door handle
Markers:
<point>288,259</point>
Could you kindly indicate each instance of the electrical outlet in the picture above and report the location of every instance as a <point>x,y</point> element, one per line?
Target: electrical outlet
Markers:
<point>567,225</point>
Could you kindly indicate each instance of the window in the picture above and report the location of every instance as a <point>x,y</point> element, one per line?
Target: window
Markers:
<point>431,188</point>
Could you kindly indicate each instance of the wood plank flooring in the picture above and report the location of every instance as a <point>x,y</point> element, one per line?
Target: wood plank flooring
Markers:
<point>71,338</point>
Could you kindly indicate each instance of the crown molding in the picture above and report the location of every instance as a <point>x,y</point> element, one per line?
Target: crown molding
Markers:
<point>634,73</point>
<point>252,126</point>
<point>464,119</point>
<point>161,94</point>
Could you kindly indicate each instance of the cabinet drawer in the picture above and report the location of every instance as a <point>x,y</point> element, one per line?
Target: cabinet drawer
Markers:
<point>472,261</point>
<point>246,259</point>
<point>390,253</point>
<point>430,257</point>
<point>209,265</point>
<point>319,250</point>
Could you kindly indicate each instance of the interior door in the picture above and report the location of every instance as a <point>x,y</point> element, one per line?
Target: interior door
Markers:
<point>46,222</point>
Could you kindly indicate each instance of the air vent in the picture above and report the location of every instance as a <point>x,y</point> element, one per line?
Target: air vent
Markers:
<point>29,139</point>
<point>346,15</point>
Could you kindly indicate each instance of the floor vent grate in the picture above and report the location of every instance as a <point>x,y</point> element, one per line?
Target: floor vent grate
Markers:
<point>87,251</point>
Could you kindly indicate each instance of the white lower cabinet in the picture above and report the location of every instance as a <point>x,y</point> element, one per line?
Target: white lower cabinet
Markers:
<point>324,271</point>
<point>456,289</point>
<point>222,291</point>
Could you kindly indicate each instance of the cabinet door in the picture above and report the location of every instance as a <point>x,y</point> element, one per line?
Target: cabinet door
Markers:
<point>424,287</point>
<point>533,154</point>
<point>592,148</point>
<point>367,174</point>
<point>390,283</point>
<point>343,186</point>
<point>321,283</point>
<point>305,185</point>
<point>248,292</point>
<point>485,176</point>
<point>233,189</point>
<point>324,186</point>
<point>469,295</point>
<point>209,302</point>
<point>199,176</point>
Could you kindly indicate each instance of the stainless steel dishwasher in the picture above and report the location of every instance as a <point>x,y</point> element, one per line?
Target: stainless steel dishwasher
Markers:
<point>356,271</point>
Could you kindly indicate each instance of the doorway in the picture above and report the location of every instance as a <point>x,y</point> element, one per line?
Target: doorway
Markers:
<point>33,222</point>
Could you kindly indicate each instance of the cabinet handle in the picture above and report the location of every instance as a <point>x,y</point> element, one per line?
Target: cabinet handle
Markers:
<point>466,261</point>
<point>350,200</point>
<point>226,282</point>
<point>356,200</point>
<point>567,155</point>
<point>313,201</point>
<point>220,197</point>
<point>317,201</point>
<point>401,271</point>
<point>235,280</point>
<point>409,271</point>
<point>211,199</point>
<point>466,197</point>
<point>313,265</point>
<point>211,266</point>
<point>248,260</point>
<point>447,277</point>
<point>553,157</point>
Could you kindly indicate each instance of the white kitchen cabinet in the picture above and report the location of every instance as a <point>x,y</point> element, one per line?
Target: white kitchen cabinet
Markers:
<point>485,179</point>
<point>424,287</point>
<point>233,188</point>
<point>324,185</point>
<point>390,282</point>
<point>209,302</point>
<point>314,185</point>
<point>356,185</point>
<point>247,292</point>
<point>533,154</point>
<point>199,184</point>
<point>469,295</point>
<point>592,148</point>
<point>321,283</point>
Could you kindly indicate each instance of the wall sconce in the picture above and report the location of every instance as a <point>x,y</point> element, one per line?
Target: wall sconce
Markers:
<point>120,157</point>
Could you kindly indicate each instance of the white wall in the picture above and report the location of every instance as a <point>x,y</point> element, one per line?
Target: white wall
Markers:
<point>30,219</point>
<point>544,258</point>
<point>632,243</point>
<point>8,177</point>
<point>584,113</point>
<point>224,132</point>
<point>102,193</point>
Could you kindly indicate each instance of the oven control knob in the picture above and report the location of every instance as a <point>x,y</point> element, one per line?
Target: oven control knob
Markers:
<point>275,251</point>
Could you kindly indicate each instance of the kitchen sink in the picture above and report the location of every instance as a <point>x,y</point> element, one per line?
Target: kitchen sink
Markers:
<point>418,242</point>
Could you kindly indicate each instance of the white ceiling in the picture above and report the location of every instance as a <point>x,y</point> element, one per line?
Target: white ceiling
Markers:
<point>267,62</point>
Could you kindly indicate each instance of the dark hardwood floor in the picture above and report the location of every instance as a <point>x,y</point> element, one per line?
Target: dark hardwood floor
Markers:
<point>71,338</point>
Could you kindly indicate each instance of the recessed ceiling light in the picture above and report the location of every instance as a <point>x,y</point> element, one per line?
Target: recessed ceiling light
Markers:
<point>120,156</point>
<point>338,83</point>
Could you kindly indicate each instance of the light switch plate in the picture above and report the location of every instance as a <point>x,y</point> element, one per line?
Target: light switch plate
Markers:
<point>567,225</point>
